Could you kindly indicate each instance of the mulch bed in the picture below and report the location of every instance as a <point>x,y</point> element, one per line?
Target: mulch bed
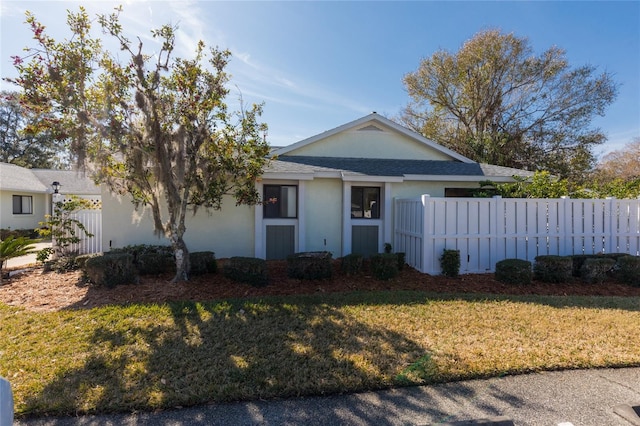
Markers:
<point>50,291</point>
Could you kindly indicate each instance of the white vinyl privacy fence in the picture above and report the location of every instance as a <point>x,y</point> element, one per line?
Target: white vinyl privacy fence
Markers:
<point>92,221</point>
<point>488,230</point>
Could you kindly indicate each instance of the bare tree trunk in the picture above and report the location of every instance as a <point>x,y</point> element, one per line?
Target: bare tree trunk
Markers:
<point>181,253</point>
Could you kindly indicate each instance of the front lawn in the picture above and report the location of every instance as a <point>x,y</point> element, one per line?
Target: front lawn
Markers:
<point>148,356</point>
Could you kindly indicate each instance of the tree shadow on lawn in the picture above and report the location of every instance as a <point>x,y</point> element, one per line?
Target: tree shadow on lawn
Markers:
<point>229,351</point>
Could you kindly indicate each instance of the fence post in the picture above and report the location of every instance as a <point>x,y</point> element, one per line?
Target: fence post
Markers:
<point>6,403</point>
<point>427,256</point>
<point>567,225</point>
<point>610,245</point>
<point>494,232</point>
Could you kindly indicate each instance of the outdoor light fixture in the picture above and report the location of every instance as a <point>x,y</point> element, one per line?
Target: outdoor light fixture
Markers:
<point>56,186</point>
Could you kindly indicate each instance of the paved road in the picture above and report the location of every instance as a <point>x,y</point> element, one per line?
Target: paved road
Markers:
<point>579,398</point>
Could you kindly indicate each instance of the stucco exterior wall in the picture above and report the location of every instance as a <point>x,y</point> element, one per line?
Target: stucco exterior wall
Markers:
<point>371,144</point>
<point>323,213</point>
<point>228,232</point>
<point>22,221</point>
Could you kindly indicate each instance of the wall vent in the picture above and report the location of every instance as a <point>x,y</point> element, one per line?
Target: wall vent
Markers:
<point>371,127</point>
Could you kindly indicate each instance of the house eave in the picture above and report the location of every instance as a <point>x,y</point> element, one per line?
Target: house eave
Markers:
<point>369,178</point>
<point>26,190</point>
<point>458,178</point>
<point>288,176</point>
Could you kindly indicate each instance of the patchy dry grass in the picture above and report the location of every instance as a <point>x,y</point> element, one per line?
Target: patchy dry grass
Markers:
<point>142,357</point>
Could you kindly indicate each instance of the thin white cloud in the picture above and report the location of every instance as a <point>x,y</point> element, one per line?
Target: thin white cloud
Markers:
<point>274,85</point>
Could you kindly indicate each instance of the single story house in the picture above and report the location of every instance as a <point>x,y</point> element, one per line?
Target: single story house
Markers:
<point>332,191</point>
<point>26,194</point>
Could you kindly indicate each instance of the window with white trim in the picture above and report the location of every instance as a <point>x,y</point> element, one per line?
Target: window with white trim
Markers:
<point>365,202</point>
<point>22,204</point>
<point>280,201</point>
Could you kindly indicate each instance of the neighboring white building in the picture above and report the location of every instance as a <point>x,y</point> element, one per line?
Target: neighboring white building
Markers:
<point>26,194</point>
<point>331,192</point>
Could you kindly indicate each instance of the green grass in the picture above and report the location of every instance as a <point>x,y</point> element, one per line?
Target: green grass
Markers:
<point>143,357</point>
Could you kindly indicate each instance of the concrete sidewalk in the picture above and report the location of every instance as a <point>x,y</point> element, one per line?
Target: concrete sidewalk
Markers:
<point>27,260</point>
<point>579,398</point>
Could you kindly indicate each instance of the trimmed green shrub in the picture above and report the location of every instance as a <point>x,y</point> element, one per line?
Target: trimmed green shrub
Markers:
<point>513,271</point>
<point>249,270</point>
<point>401,260</point>
<point>627,270</point>
<point>351,264</point>
<point>154,263</point>
<point>148,258</point>
<point>138,249</point>
<point>111,270</point>
<point>62,264</point>
<point>450,262</point>
<point>578,260</point>
<point>553,269</point>
<point>82,259</point>
<point>203,262</point>
<point>313,265</point>
<point>384,266</point>
<point>595,270</point>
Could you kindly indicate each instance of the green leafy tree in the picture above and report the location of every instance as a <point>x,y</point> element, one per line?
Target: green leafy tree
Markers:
<point>19,145</point>
<point>12,247</point>
<point>540,185</point>
<point>496,102</point>
<point>544,185</point>
<point>153,126</point>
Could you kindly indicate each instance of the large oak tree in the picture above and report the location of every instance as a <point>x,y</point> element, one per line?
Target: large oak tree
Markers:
<point>497,102</point>
<point>150,125</point>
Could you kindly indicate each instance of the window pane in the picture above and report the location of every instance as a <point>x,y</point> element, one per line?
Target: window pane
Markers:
<point>271,197</point>
<point>27,205</point>
<point>357,208</point>
<point>17,204</point>
<point>365,202</point>
<point>280,201</point>
<point>289,201</point>
<point>372,203</point>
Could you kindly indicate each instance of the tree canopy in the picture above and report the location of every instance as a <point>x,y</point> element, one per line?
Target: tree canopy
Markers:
<point>621,164</point>
<point>18,143</point>
<point>544,185</point>
<point>150,125</point>
<point>497,102</point>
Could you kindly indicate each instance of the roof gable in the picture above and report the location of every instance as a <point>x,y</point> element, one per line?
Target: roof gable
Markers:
<point>372,136</point>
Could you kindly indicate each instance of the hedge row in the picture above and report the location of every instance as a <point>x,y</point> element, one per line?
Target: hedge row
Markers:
<point>591,269</point>
<point>125,265</point>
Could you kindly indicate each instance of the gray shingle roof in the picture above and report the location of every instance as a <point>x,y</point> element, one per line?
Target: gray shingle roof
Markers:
<point>16,178</point>
<point>71,182</point>
<point>388,167</point>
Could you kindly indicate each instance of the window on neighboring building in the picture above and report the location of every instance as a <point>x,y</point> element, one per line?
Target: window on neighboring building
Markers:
<point>365,202</point>
<point>459,192</point>
<point>280,201</point>
<point>22,204</point>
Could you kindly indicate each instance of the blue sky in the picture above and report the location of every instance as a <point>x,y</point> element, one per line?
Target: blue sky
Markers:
<point>318,65</point>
